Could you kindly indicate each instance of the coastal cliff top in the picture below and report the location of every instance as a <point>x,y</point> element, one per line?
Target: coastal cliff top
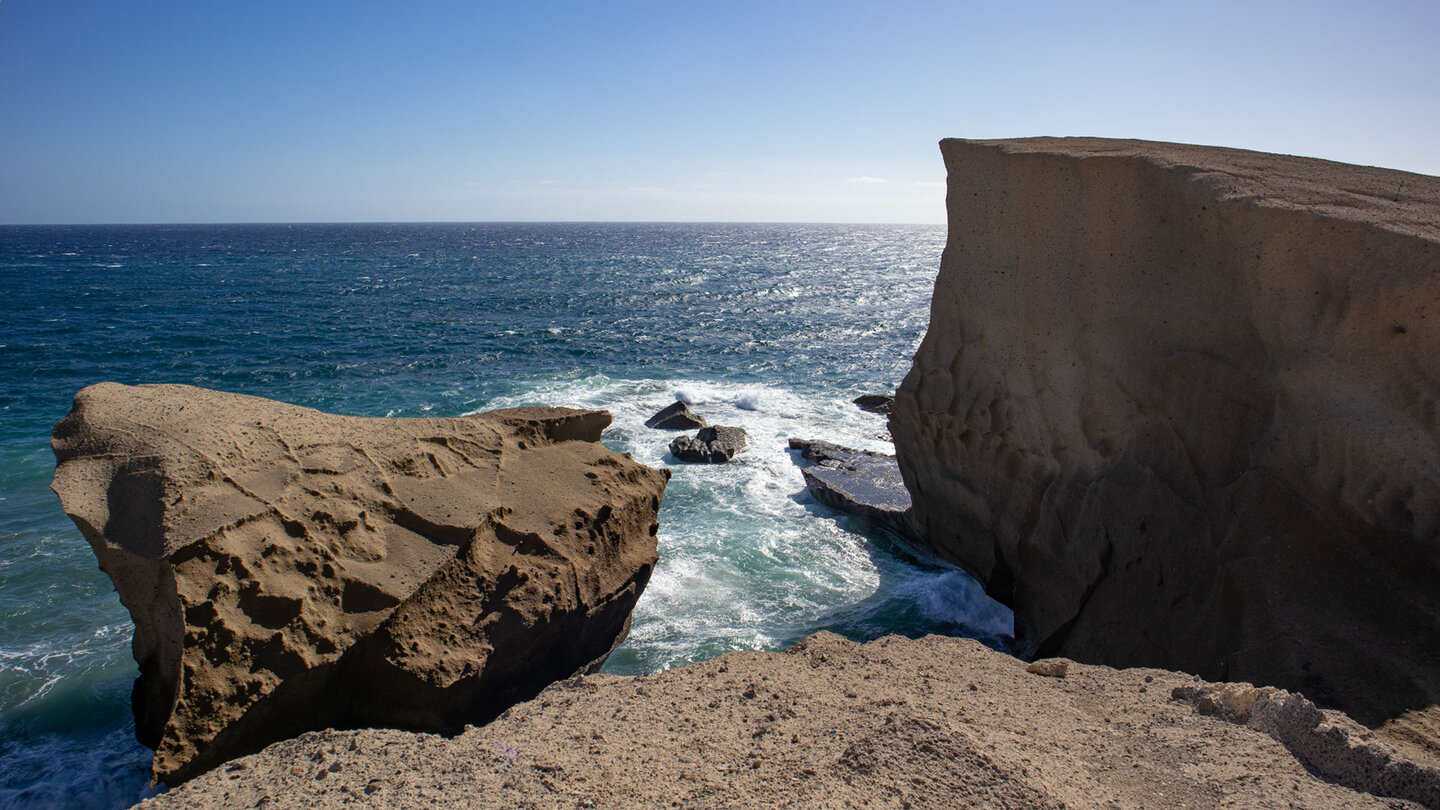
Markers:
<point>928,723</point>
<point>1395,200</point>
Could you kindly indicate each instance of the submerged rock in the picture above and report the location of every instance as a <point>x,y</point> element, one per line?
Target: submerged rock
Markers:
<point>712,445</point>
<point>289,570</point>
<point>1177,407</point>
<point>875,403</point>
<point>676,417</point>
<point>858,482</point>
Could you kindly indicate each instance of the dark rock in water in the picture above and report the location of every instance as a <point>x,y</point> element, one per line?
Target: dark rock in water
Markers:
<point>676,417</point>
<point>858,482</point>
<point>875,403</point>
<point>712,445</point>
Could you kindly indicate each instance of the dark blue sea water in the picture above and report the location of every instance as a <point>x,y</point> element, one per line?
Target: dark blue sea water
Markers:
<point>771,327</point>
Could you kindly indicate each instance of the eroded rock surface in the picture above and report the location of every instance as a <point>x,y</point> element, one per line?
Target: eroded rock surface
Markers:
<point>1328,743</point>
<point>290,570</point>
<point>935,722</point>
<point>1178,407</point>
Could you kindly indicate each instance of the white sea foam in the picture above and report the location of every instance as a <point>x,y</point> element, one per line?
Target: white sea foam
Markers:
<point>748,402</point>
<point>747,559</point>
<point>28,672</point>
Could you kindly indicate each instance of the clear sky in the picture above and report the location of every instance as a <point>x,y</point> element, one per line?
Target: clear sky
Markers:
<point>321,111</point>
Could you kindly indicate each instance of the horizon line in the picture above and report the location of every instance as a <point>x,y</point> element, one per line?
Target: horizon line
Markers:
<point>453,222</point>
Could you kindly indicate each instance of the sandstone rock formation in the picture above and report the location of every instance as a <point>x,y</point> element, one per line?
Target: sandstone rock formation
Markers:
<point>1178,406</point>
<point>712,445</point>
<point>858,482</point>
<point>929,723</point>
<point>290,570</point>
<point>676,416</point>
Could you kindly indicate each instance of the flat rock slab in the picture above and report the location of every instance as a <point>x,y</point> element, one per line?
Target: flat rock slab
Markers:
<point>858,482</point>
<point>935,722</point>
<point>290,570</point>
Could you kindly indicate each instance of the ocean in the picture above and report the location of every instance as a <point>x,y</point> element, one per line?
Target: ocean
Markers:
<point>774,328</point>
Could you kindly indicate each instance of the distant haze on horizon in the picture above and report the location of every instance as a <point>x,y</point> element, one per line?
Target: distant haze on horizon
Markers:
<point>163,112</point>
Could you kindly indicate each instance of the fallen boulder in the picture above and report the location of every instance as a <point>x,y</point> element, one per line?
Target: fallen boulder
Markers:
<point>677,416</point>
<point>712,445</point>
<point>858,482</point>
<point>289,570</point>
<point>1177,407</point>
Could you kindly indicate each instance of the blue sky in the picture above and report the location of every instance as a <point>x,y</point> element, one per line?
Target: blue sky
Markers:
<point>200,111</point>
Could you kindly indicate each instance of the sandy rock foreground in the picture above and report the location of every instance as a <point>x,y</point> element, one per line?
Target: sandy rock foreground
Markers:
<point>895,723</point>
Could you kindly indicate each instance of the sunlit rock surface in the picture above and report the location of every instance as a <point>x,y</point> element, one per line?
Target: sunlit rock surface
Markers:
<point>290,570</point>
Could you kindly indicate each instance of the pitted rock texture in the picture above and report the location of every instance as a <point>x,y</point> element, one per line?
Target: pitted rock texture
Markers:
<point>1178,407</point>
<point>938,723</point>
<point>290,570</point>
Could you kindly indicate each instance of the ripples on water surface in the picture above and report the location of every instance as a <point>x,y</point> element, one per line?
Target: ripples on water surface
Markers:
<point>770,327</point>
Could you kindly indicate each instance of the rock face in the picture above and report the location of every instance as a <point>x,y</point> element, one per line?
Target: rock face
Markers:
<point>932,723</point>
<point>290,570</point>
<point>858,482</point>
<point>712,445</point>
<point>677,416</point>
<point>1178,406</point>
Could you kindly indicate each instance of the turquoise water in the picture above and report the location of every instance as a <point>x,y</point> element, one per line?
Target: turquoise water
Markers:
<point>771,327</point>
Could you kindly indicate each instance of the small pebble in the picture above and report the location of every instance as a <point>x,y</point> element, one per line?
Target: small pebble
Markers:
<point>1050,667</point>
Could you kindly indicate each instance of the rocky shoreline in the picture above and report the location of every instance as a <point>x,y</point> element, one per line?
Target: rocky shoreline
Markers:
<point>1175,406</point>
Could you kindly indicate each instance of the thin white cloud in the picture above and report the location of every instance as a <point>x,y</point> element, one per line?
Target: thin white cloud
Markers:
<point>866,180</point>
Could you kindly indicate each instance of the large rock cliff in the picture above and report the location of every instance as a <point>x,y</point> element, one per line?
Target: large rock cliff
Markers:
<point>1177,406</point>
<point>290,570</point>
